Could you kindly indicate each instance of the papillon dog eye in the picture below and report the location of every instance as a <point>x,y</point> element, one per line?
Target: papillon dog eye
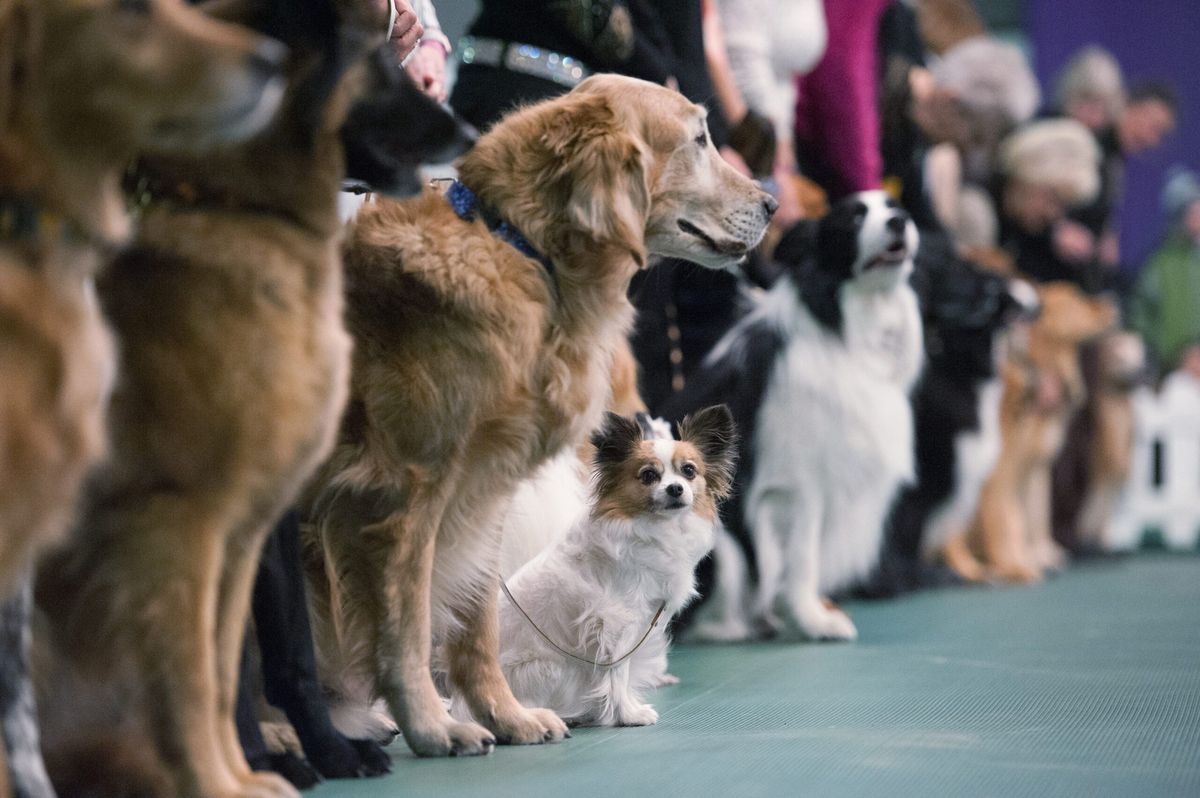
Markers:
<point>648,476</point>
<point>688,471</point>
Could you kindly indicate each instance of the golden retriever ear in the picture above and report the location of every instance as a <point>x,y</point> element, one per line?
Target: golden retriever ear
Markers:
<point>601,173</point>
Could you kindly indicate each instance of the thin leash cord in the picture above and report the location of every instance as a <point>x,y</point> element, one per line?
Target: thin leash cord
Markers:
<point>585,660</point>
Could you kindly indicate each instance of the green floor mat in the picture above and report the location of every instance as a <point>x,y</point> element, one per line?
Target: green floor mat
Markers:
<point>1086,685</point>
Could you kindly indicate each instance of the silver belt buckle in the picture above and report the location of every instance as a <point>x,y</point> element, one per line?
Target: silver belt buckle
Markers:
<point>526,59</point>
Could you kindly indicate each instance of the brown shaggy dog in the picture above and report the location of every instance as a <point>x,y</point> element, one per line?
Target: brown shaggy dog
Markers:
<point>474,364</point>
<point>1043,389</point>
<point>83,86</point>
<point>234,363</point>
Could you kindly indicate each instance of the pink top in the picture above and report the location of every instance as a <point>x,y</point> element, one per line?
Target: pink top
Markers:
<point>837,109</point>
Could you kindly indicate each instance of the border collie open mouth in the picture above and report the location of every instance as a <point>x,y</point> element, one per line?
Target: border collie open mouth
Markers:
<point>894,255</point>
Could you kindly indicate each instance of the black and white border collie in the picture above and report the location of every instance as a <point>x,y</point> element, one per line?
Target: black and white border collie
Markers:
<point>967,313</point>
<point>817,376</point>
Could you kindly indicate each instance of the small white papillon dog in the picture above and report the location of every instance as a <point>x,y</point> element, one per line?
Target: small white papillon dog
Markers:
<point>583,624</point>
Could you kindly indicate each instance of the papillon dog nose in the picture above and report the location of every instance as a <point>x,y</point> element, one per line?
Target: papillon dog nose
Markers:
<point>674,490</point>
<point>897,223</point>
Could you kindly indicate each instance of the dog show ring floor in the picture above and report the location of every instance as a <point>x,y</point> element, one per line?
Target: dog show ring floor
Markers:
<point>1088,684</point>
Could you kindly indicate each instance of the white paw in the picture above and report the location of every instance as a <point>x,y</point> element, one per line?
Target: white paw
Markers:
<point>728,631</point>
<point>360,722</point>
<point>820,622</point>
<point>637,715</point>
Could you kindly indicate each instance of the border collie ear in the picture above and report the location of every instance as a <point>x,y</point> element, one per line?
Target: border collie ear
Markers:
<point>602,173</point>
<point>615,439</point>
<point>712,431</point>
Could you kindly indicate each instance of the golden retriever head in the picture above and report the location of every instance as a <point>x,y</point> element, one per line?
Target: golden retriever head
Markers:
<point>619,162</point>
<point>84,84</point>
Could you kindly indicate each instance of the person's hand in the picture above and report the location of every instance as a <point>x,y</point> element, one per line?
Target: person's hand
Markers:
<point>427,68</point>
<point>754,139</point>
<point>1073,242</point>
<point>407,31</point>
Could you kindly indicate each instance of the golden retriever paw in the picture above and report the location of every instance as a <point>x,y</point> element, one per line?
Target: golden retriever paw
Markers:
<point>529,727</point>
<point>451,738</point>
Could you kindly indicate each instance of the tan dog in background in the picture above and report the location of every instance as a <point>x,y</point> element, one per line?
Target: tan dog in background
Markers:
<point>474,364</point>
<point>234,364</point>
<point>84,86</point>
<point>1043,388</point>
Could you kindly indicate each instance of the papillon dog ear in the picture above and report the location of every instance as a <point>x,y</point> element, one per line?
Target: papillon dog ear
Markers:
<point>615,439</point>
<point>714,435</point>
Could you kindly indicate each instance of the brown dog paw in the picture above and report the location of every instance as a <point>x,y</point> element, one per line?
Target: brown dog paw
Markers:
<point>451,738</point>
<point>529,727</point>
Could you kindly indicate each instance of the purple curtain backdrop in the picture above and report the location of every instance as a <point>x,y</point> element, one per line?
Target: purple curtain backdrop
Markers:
<point>1151,39</point>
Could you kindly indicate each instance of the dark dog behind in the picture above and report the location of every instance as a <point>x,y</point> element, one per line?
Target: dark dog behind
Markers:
<point>234,361</point>
<point>955,412</point>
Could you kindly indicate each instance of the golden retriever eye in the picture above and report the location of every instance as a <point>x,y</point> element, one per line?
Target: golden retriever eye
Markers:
<point>688,471</point>
<point>648,476</point>
<point>702,139</point>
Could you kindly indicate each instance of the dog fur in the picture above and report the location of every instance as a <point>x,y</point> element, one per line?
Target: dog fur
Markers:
<point>596,590</point>
<point>1043,389</point>
<point>818,378</point>
<point>234,363</point>
<point>1098,454</point>
<point>474,366</point>
<point>956,411</point>
<point>83,86</point>
<point>391,129</point>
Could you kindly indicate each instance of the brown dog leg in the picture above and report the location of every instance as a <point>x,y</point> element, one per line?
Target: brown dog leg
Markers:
<point>405,631</point>
<point>242,553</point>
<point>473,653</point>
<point>1002,527</point>
<point>958,558</point>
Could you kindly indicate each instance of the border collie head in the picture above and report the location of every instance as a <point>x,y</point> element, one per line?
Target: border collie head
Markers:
<point>639,473</point>
<point>865,243</point>
<point>868,239</point>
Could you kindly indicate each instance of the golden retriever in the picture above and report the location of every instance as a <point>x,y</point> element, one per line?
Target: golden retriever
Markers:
<point>234,364</point>
<point>84,84</point>
<point>1043,389</point>
<point>474,364</point>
